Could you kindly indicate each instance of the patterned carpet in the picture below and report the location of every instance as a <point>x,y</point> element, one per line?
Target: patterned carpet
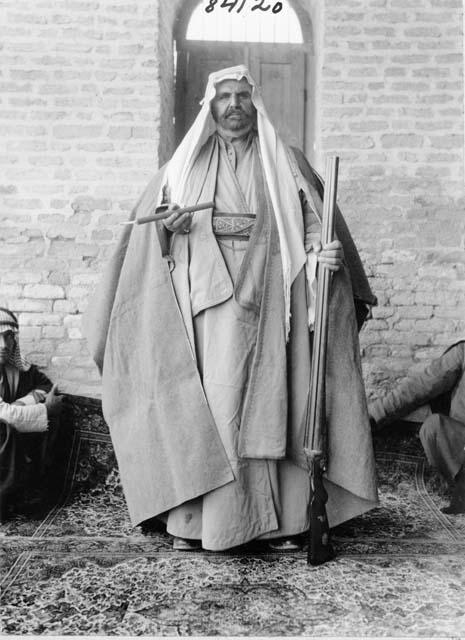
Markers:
<point>79,568</point>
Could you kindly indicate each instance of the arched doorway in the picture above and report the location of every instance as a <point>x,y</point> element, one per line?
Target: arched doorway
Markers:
<point>273,46</point>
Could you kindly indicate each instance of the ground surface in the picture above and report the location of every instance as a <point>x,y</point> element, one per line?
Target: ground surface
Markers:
<point>79,568</point>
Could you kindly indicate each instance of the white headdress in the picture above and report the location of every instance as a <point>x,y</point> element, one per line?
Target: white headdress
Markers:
<point>9,322</point>
<point>279,175</point>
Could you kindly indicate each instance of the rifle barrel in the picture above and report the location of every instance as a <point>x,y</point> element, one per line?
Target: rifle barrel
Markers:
<point>320,549</point>
<point>320,334</point>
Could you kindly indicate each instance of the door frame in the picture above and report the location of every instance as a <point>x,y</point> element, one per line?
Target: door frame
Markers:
<point>308,12</point>
<point>191,46</point>
<point>300,7</point>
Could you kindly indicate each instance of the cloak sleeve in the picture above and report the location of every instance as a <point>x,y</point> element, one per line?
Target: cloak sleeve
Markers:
<point>25,419</point>
<point>97,318</point>
<point>160,423</point>
<point>32,381</point>
<point>439,377</point>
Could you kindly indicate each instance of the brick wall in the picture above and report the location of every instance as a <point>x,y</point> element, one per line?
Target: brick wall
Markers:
<point>79,120</point>
<point>392,108</point>
<point>86,108</point>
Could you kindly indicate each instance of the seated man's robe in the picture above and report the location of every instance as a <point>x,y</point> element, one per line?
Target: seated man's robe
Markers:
<point>205,400</point>
<point>441,383</point>
<point>22,413</point>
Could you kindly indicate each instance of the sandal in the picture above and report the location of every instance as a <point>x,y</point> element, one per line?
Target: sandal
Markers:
<point>184,544</point>
<point>455,507</point>
<point>285,544</point>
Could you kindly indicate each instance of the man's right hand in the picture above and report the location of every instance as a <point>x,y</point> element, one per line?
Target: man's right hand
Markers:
<point>53,402</point>
<point>178,222</point>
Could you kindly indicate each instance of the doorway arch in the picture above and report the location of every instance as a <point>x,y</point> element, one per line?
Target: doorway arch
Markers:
<point>253,26</point>
<point>282,66</point>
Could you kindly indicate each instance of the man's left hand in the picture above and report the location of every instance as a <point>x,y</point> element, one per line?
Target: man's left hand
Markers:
<point>331,255</point>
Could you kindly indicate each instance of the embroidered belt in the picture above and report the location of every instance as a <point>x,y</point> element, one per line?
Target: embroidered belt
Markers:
<point>227,224</point>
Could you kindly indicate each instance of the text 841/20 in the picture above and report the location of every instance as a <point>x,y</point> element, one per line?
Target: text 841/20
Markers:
<point>252,5</point>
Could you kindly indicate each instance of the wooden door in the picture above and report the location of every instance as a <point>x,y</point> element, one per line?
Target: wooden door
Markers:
<point>279,69</point>
<point>280,72</point>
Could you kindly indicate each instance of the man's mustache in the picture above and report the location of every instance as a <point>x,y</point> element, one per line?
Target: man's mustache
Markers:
<point>234,111</point>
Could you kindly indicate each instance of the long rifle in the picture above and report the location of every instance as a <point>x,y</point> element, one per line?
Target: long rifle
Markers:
<point>320,549</point>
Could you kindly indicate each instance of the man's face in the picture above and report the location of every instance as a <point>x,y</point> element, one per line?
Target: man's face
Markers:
<point>7,343</point>
<point>232,107</point>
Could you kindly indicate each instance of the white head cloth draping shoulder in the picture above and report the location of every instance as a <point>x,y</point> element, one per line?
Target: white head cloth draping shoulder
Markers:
<point>9,322</point>
<point>279,174</point>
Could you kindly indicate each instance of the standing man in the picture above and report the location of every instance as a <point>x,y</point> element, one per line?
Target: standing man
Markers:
<point>29,411</point>
<point>201,331</point>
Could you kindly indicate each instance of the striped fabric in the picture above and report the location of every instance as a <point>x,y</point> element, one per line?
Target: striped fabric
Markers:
<point>9,322</point>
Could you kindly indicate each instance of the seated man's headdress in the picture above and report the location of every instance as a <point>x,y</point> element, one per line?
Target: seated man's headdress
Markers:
<point>9,322</point>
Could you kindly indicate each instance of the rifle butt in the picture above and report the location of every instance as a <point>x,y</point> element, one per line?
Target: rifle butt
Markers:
<point>320,549</point>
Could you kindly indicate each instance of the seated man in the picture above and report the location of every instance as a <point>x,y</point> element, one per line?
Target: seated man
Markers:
<point>28,405</point>
<point>442,436</point>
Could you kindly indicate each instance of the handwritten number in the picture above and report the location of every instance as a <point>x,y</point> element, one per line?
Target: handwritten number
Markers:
<point>211,6</point>
<point>228,4</point>
<point>231,4</point>
<point>260,6</point>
